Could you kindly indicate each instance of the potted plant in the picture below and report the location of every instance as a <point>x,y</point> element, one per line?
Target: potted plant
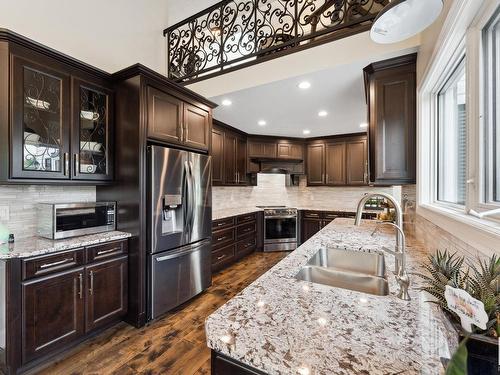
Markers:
<point>482,281</point>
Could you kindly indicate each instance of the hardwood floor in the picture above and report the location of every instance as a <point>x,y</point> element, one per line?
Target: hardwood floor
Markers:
<point>174,344</point>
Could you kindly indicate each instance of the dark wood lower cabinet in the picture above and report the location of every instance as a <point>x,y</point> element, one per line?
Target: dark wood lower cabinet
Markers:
<point>106,292</point>
<point>222,365</point>
<point>233,238</point>
<point>53,313</point>
<point>310,227</point>
<point>312,222</point>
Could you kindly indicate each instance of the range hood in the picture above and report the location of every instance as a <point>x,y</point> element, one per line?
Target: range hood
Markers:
<point>281,167</point>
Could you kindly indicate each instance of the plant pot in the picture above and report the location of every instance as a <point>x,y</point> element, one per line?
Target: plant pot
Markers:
<point>482,351</point>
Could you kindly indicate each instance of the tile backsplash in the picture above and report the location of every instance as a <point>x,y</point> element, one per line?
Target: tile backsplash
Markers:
<point>271,190</point>
<point>21,202</point>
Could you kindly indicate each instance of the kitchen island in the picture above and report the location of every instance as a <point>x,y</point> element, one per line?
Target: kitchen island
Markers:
<point>280,325</point>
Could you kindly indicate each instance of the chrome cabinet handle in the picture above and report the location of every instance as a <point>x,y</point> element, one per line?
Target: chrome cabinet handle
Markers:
<point>221,257</point>
<point>58,263</point>
<point>91,289</point>
<point>103,252</point>
<point>221,238</point>
<point>77,164</point>
<point>66,164</point>
<point>80,279</point>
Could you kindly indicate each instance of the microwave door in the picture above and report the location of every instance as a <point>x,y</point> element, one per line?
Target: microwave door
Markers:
<point>168,199</point>
<point>200,217</point>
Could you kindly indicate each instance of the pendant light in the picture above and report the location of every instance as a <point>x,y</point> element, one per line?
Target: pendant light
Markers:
<point>401,19</point>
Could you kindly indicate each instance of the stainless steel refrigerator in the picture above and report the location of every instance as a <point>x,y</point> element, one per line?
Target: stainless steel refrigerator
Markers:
<point>179,227</point>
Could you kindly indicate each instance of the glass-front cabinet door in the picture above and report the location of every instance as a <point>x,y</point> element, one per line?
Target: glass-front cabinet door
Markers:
<point>92,132</point>
<point>40,122</point>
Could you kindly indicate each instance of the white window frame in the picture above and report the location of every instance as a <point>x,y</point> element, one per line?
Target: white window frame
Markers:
<point>462,31</point>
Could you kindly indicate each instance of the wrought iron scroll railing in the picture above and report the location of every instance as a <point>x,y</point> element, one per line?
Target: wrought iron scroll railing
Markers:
<point>236,33</point>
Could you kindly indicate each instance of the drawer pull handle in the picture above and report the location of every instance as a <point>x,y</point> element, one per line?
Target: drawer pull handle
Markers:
<point>221,257</point>
<point>48,265</point>
<point>220,224</point>
<point>315,215</point>
<point>221,238</point>
<point>103,252</point>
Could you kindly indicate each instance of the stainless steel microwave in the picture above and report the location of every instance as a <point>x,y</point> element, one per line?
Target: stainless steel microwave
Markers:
<point>64,220</point>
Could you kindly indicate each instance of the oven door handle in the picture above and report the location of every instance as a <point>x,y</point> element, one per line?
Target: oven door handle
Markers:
<point>281,217</point>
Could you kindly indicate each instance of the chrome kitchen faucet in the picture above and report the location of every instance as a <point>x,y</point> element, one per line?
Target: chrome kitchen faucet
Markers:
<point>400,251</point>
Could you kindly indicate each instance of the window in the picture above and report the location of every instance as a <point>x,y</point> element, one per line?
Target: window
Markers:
<point>491,48</point>
<point>452,138</point>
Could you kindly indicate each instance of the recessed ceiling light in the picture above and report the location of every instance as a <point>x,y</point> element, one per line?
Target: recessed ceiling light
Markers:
<point>227,102</point>
<point>322,113</point>
<point>363,125</point>
<point>306,132</point>
<point>304,85</point>
<point>262,123</point>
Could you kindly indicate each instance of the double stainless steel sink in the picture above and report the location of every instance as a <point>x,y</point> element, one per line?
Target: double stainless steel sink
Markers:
<point>348,269</point>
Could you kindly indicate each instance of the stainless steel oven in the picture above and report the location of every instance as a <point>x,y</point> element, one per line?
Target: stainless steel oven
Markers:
<point>280,229</point>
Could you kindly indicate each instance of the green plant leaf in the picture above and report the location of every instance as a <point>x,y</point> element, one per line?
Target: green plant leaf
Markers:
<point>458,362</point>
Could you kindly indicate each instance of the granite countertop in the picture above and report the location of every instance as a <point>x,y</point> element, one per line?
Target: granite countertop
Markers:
<point>39,246</point>
<point>281,325</point>
<point>218,214</point>
<point>236,211</point>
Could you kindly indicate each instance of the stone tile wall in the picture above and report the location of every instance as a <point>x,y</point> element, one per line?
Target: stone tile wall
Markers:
<point>21,201</point>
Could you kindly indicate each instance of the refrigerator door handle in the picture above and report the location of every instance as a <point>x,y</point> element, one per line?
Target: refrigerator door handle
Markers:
<point>193,196</point>
<point>187,207</point>
<point>182,251</point>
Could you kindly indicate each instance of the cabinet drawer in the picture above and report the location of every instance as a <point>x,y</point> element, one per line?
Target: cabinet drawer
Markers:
<point>223,256</point>
<point>49,264</point>
<point>223,223</point>
<point>246,229</point>
<point>330,215</point>
<point>312,214</point>
<point>106,251</point>
<point>223,237</point>
<point>244,218</point>
<point>246,245</point>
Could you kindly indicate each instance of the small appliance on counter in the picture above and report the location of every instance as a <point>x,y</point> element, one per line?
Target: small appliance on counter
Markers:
<point>64,220</point>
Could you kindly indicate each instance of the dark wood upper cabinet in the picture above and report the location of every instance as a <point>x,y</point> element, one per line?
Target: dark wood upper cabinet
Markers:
<point>196,127</point>
<point>93,137</point>
<point>40,114</point>
<point>106,292</point>
<point>316,164</point>
<point>217,156</point>
<point>357,162</point>
<point>53,313</point>
<point>229,156</point>
<point>60,123</point>
<point>338,161</point>
<point>391,97</point>
<point>262,149</point>
<point>289,150</point>
<point>335,164</point>
<point>230,149</point>
<point>165,114</point>
<point>241,161</point>
<point>172,120</point>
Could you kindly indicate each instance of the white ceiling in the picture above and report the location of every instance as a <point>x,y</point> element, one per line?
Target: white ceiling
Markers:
<point>288,110</point>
